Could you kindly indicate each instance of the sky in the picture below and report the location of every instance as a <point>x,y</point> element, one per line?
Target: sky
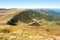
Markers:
<point>29,3</point>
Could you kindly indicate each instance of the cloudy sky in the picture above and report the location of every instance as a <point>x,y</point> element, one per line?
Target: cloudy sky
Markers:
<point>29,3</point>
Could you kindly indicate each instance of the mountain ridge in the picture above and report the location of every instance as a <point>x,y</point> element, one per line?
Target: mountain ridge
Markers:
<point>33,16</point>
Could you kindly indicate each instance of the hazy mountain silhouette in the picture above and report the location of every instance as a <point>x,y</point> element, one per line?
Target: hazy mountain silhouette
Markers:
<point>52,12</point>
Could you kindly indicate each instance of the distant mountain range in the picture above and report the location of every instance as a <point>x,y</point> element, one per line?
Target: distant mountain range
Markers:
<point>52,12</point>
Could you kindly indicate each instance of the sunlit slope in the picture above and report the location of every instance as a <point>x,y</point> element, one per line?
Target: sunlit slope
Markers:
<point>9,14</point>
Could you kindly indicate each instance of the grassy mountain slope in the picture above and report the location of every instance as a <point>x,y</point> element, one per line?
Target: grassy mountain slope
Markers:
<point>30,17</point>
